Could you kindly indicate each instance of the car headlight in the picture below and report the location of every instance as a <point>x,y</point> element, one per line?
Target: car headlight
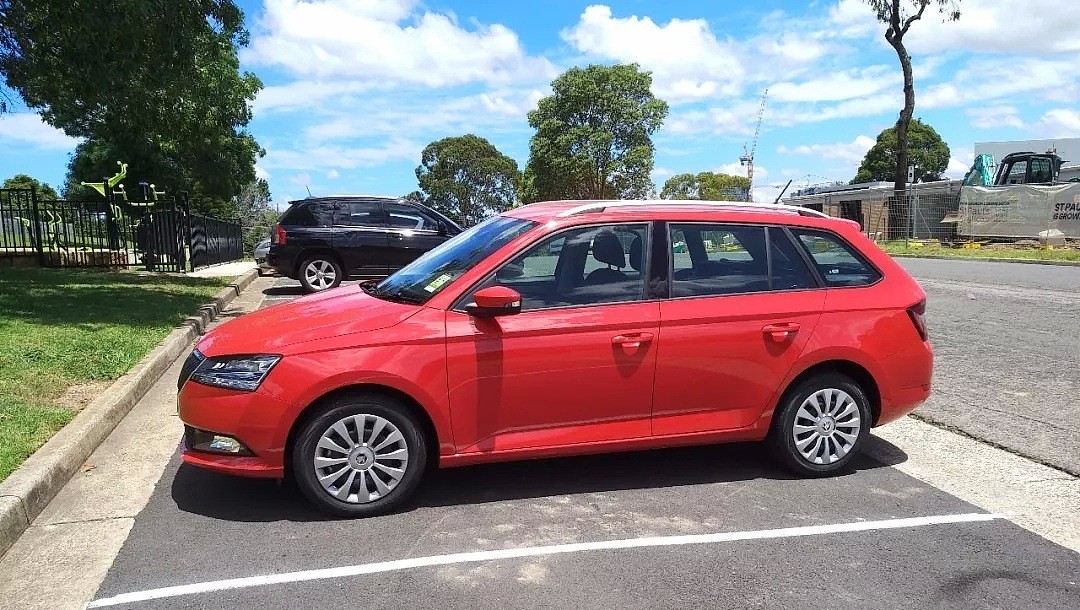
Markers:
<point>235,372</point>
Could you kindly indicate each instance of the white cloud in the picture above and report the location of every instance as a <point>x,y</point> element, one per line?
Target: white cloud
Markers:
<point>736,168</point>
<point>838,85</point>
<point>1061,122</point>
<point>686,58</point>
<point>27,129</point>
<point>850,153</point>
<point>260,171</point>
<point>388,40</point>
<point>959,162</point>
<point>301,179</point>
<point>995,117</point>
<point>326,157</point>
<point>332,174</point>
<point>989,26</point>
<point>306,94</point>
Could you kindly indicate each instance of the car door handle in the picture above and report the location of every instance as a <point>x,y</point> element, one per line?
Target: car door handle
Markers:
<point>781,332</point>
<point>631,340</point>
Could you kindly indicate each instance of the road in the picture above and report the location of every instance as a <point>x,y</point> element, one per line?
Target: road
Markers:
<point>1006,339</point>
<point>200,527</point>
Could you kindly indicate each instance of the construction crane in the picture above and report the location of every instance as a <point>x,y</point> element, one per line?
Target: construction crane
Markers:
<point>747,157</point>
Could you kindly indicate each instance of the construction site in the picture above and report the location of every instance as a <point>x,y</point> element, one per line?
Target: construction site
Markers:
<point>1011,194</point>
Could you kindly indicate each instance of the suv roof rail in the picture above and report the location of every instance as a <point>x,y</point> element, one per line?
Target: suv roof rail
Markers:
<point>601,205</point>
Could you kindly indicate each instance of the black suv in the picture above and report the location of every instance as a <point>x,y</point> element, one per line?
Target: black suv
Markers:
<point>323,240</point>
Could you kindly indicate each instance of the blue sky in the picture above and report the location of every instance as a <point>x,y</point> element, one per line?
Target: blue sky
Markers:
<point>356,88</point>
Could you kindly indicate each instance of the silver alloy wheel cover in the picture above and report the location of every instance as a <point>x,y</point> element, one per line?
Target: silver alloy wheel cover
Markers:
<point>361,458</point>
<point>320,274</point>
<point>826,426</point>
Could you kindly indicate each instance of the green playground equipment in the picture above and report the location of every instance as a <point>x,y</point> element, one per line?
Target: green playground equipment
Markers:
<point>110,183</point>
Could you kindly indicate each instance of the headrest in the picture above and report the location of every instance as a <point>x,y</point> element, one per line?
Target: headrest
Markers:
<point>607,249</point>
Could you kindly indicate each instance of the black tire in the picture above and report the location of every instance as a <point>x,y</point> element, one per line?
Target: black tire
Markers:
<point>324,262</point>
<point>304,451</point>
<point>782,443</point>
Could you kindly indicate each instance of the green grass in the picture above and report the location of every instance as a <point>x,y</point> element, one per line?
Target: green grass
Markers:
<point>986,251</point>
<point>61,327</point>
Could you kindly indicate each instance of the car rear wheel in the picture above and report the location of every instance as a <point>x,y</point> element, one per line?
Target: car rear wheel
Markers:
<point>359,457</point>
<point>319,273</point>
<point>820,425</point>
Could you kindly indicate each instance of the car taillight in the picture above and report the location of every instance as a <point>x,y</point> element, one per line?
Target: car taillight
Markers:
<point>917,313</point>
<point>279,236</point>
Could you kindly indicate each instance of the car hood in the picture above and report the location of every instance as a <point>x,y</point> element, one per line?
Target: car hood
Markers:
<point>283,328</point>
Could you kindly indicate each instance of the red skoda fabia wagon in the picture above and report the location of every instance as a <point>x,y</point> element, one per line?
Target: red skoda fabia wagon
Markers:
<point>568,328</point>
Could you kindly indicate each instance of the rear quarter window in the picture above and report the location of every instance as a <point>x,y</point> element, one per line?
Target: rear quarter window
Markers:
<point>308,215</point>
<point>837,261</point>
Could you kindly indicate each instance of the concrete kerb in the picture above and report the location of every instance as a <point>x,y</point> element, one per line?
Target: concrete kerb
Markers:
<point>28,490</point>
<point>1024,261</point>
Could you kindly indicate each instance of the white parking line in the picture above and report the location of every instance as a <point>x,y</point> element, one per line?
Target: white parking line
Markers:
<point>440,560</point>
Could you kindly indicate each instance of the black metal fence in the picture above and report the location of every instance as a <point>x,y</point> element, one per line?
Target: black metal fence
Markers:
<point>155,235</point>
<point>214,241</point>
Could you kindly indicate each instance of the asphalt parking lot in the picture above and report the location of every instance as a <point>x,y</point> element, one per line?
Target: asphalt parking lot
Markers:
<point>705,527</point>
<point>1007,354</point>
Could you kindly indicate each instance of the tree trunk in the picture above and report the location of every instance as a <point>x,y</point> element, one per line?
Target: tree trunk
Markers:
<point>898,207</point>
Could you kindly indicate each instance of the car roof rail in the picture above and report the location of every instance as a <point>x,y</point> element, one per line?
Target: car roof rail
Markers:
<point>596,206</point>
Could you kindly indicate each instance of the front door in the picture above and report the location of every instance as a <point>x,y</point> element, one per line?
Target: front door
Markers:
<point>732,330</point>
<point>576,365</point>
<point>411,233</point>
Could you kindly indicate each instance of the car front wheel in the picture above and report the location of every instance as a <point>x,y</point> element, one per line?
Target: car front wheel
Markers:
<point>359,457</point>
<point>821,425</point>
<point>319,273</point>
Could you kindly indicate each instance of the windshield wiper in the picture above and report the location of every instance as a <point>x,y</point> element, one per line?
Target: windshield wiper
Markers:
<point>386,295</point>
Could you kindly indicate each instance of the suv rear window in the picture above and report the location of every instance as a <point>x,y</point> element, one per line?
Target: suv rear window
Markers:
<point>838,262</point>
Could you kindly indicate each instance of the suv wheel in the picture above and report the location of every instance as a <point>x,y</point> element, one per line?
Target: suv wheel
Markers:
<point>320,272</point>
<point>360,457</point>
<point>821,425</point>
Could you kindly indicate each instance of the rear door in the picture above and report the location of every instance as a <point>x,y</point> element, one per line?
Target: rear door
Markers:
<point>412,232</point>
<point>743,305</point>
<point>360,237</point>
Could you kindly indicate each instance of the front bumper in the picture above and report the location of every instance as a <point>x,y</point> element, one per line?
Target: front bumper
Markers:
<point>252,418</point>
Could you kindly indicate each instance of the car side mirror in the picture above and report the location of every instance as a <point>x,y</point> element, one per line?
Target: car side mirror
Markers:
<point>494,301</point>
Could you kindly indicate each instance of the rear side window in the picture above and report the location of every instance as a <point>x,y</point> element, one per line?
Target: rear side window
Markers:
<point>718,259</point>
<point>838,262</point>
<point>358,214</point>
<point>789,271</point>
<point>308,215</point>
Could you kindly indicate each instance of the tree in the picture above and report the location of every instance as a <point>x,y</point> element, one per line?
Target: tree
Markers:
<point>898,15</point>
<point>154,83</point>
<point>467,178</point>
<point>709,186</point>
<point>593,135</point>
<point>24,182</point>
<point>257,216</point>
<point>926,150</point>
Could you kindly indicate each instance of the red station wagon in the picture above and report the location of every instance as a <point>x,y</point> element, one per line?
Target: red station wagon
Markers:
<point>567,328</point>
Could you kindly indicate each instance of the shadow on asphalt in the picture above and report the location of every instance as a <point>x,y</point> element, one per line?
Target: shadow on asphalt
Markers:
<point>286,291</point>
<point>256,500</point>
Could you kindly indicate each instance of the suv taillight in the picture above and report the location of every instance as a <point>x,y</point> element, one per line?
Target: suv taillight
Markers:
<point>279,236</point>
<point>917,313</point>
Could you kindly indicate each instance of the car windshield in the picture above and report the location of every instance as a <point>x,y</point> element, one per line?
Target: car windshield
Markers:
<point>429,274</point>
